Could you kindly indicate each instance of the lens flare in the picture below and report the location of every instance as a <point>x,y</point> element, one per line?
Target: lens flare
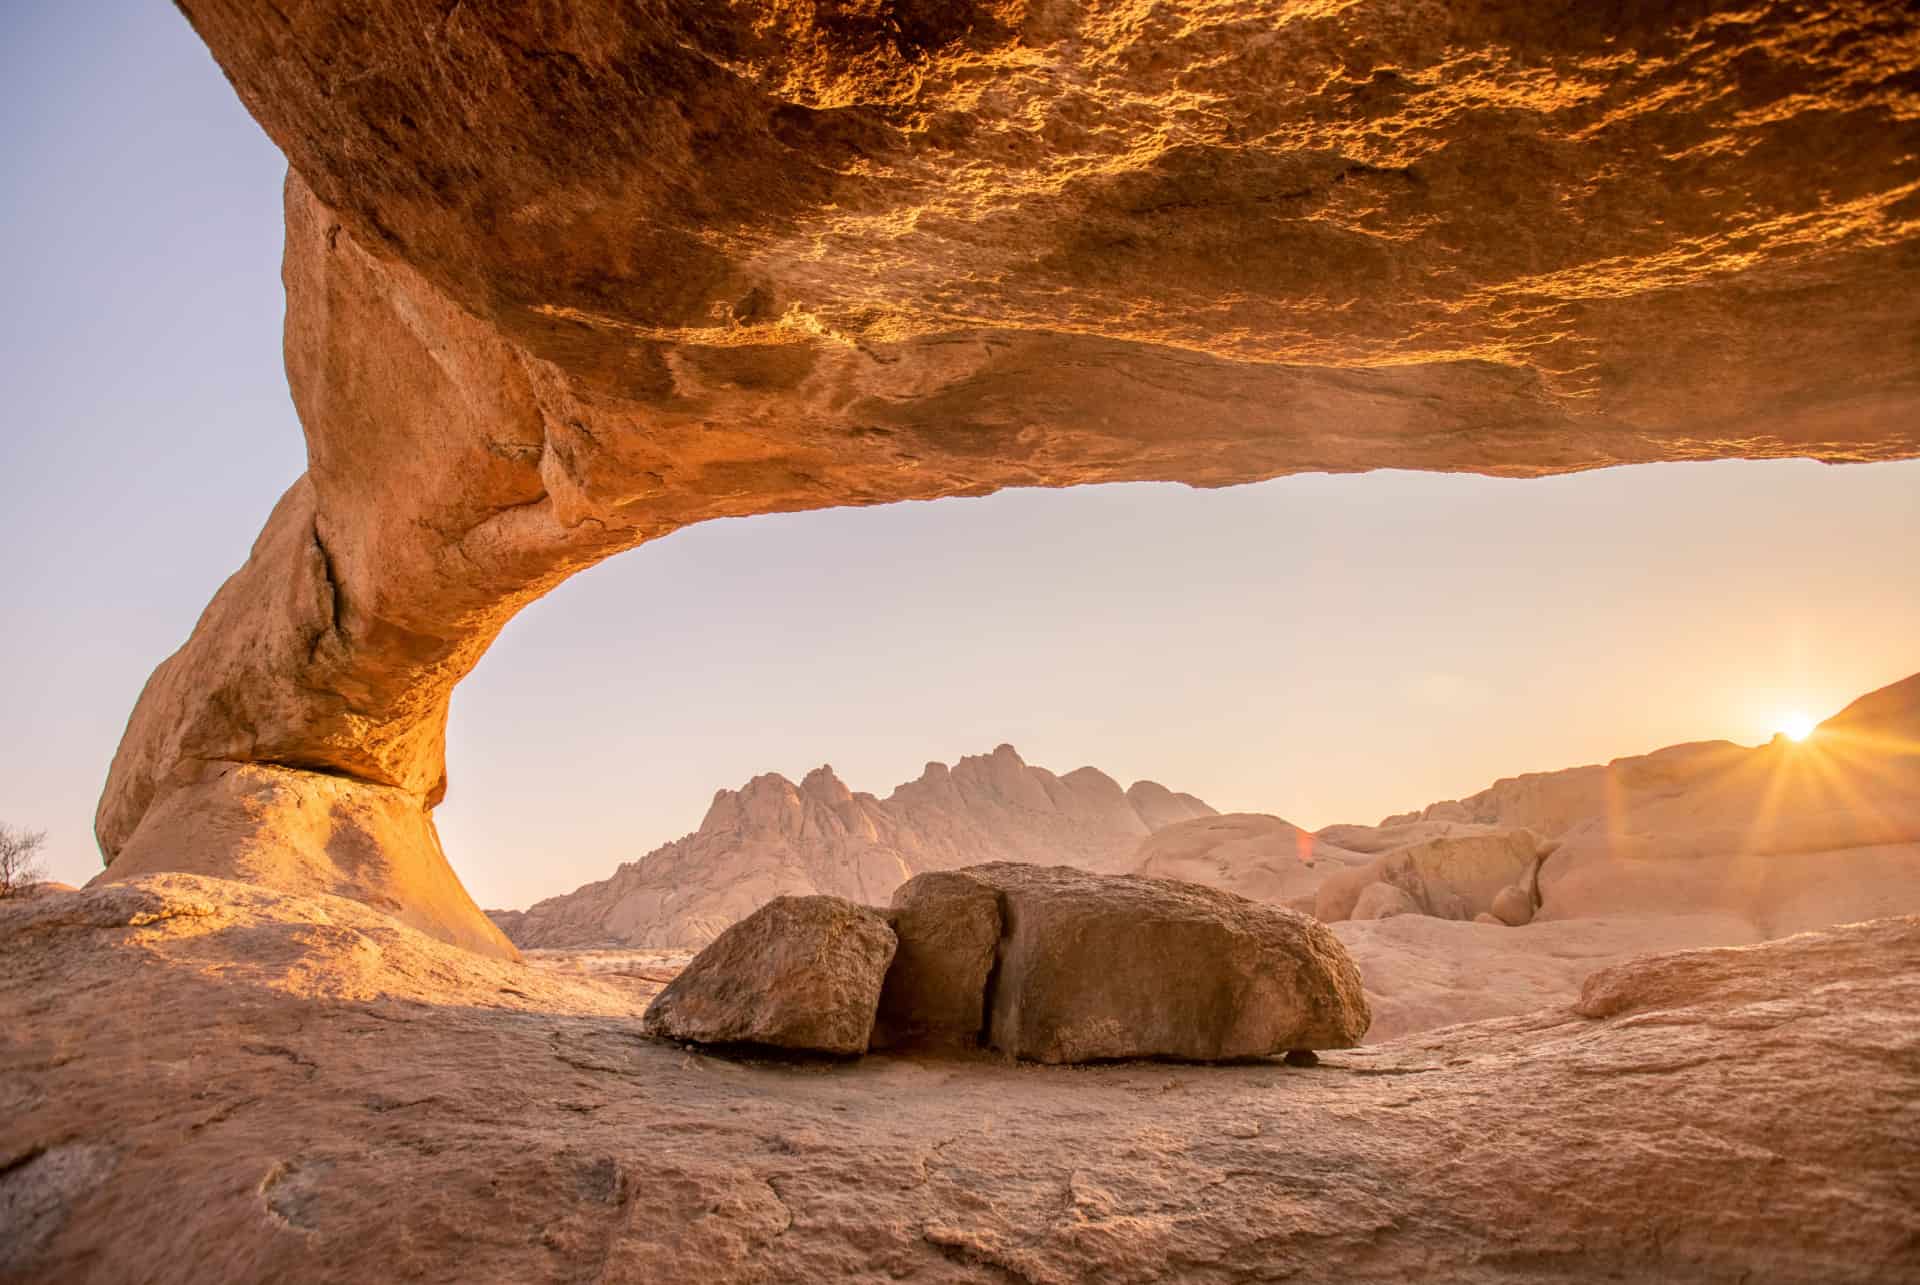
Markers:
<point>1796,727</point>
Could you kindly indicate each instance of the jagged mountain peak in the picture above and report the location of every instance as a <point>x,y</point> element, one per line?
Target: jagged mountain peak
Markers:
<point>771,836</point>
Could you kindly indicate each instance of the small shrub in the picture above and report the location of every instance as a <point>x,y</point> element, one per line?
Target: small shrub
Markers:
<point>20,864</point>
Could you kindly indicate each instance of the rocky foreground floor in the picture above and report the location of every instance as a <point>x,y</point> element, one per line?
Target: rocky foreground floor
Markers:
<point>203,1081</point>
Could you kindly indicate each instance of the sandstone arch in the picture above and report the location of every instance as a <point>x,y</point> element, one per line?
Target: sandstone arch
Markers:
<point>564,278</point>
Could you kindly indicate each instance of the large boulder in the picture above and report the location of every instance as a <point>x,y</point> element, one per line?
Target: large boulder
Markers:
<point>800,973</point>
<point>948,925</point>
<point>1094,967</point>
<point>1383,901</point>
<point>1513,906</point>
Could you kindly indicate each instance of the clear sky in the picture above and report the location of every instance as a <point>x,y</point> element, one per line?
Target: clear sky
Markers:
<point>1327,648</point>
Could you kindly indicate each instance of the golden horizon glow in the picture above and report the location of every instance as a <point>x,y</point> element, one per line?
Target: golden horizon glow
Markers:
<point>1796,726</point>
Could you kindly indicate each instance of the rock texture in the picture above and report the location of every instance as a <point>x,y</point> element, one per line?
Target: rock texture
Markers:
<point>37,1189</point>
<point>308,1067</point>
<point>563,281</point>
<point>1127,967</point>
<point>948,925</point>
<point>772,837</point>
<point>800,973</point>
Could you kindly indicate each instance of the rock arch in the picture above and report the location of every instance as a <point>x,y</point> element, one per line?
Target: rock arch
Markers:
<point>562,279</point>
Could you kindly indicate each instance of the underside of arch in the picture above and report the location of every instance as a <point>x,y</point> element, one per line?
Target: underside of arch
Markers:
<point>563,280</point>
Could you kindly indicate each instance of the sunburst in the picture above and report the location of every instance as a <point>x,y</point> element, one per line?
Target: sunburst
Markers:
<point>1796,726</point>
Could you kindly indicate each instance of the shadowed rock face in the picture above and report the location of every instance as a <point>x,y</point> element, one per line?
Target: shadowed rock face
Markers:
<point>563,281</point>
<point>948,925</point>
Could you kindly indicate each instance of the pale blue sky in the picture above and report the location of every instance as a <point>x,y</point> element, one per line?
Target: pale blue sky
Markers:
<point>1329,648</point>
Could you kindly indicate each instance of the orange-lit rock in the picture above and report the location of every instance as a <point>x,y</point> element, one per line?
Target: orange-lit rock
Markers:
<point>564,280</point>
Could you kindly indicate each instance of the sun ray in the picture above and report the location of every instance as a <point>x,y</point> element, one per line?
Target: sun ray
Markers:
<point>1797,726</point>
<point>1841,779</point>
<point>1614,802</point>
<point>1779,769</point>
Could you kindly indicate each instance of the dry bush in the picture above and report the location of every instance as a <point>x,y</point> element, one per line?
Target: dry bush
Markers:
<point>20,865</point>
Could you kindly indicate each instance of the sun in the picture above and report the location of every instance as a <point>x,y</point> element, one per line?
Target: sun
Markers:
<point>1796,727</point>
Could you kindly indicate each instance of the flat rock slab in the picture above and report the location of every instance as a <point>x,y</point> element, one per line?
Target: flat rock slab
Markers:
<point>278,1075</point>
<point>800,973</point>
<point>1097,967</point>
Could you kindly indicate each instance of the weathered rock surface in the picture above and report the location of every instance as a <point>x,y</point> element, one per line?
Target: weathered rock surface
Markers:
<point>36,1191</point>
<point>948,925</point>
<point>799,973</point>
<point>307,1066</point>
<point>562,282</point>
<point>1127,967</point>
<point>774,838</point>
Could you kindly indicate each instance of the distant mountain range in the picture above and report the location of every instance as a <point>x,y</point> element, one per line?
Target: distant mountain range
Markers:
<point>772,837</point>
<point>1783,837</point>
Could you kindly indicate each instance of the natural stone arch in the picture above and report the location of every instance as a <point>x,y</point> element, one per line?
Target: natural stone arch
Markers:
<point>560,282</point>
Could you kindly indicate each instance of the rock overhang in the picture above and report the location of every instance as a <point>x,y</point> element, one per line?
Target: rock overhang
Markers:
<point>560,282</point>
<point>1553,211</point>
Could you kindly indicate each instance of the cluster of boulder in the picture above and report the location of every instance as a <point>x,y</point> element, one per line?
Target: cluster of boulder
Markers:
<point>1489,877</point>
<point>1046,963</point>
